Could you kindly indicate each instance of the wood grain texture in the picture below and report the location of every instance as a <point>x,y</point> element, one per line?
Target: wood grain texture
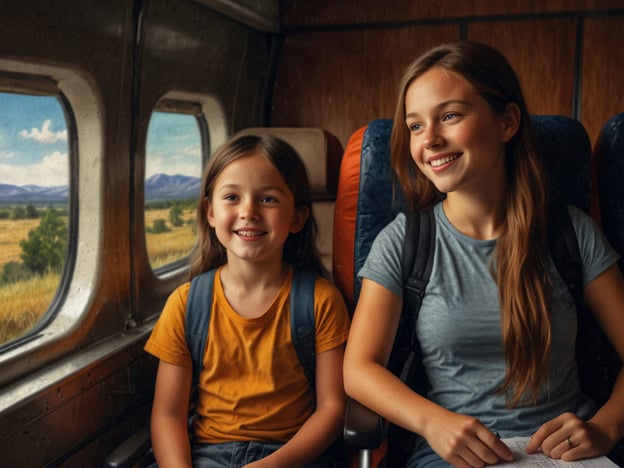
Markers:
<point>542,54</point>
<point>602,94</point>
<point>340,80</point>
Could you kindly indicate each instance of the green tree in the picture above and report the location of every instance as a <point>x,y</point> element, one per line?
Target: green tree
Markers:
<point>18,212</point>
<point>175,214</point>
<point>159,226</point>
<point>32,212</point>
<point>13,272</point>
<point>45,248</point>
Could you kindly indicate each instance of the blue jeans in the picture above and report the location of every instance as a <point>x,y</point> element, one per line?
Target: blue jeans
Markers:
<point>235,454</point>
<point>230,454</point>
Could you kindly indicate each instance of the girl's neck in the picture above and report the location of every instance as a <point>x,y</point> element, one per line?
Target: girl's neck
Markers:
<point>479,218</point>
<point>251,276</point>
<point>251,289</point>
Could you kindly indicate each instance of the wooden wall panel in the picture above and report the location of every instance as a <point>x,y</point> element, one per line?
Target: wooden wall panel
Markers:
<point>335,12</point>
<point>602,94</point>
<point>340,80</point>
<point>543,55</point>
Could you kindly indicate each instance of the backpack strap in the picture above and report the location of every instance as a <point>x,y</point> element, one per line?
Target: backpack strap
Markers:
<point>302,323</point>
<point>197,321</point>
<point>418,252</point>
<point>565,252</point>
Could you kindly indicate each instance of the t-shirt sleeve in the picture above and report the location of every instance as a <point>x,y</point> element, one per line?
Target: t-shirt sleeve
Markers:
<point>383,264</point>
<point>596,252</point>
<point>331,316</point>
<point>168,341</point>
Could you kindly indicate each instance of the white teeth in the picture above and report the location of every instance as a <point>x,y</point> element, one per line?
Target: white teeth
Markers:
<point>444,160</point>
<point>249,233</point>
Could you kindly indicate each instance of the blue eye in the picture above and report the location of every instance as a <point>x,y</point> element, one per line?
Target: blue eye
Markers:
<point>414,127</point>
<point>449,116</point>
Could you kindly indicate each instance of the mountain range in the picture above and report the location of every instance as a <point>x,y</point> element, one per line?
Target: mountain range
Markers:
<point>157,187</point>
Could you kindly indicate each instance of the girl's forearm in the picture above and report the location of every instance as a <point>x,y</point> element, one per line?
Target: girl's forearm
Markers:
<point>377,388</point>
<point>610,417</point>
<point>170,441</point>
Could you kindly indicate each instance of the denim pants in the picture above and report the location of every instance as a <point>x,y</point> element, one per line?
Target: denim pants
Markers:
<point>230,454</point>
<point>235,454</point>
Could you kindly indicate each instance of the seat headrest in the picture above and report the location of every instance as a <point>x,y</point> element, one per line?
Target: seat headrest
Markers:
<point>320,151</point>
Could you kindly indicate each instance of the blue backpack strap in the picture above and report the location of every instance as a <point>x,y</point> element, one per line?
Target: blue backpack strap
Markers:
<point>302,322</point>
<point>198,311</point>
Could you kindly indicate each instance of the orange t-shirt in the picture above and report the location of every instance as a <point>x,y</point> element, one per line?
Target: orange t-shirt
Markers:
<point>252,386</point>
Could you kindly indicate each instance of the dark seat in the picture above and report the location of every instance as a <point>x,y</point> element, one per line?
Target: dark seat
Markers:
<point>609,154</point>
<point>366,202</point>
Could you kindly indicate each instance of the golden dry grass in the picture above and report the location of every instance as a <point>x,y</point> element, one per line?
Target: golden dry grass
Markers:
<point>167,247</point>
<point>11,233</point>
<point>24,303</point>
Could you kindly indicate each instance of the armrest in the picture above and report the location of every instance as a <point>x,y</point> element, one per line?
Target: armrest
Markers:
<point>137,448</point>
<point>363,429</point>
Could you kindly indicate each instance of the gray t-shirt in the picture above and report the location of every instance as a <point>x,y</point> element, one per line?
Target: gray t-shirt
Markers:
<point>459,324</point>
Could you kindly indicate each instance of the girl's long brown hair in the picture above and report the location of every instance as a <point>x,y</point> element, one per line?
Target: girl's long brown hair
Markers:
<point>518,263</point>
<point>300,248</point>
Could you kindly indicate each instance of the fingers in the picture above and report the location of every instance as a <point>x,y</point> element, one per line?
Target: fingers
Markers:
<point>484,448</point>
<point>567,438</point>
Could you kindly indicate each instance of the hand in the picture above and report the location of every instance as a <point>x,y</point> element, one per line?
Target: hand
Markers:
<point>567,437</point>
<point>464,442</point>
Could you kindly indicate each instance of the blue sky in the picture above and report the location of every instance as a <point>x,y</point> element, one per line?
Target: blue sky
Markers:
<point>33,141</point>
<point>173,145</point>
<point>34,147</point>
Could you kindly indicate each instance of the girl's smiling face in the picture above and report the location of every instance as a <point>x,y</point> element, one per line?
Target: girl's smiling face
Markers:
<point>252,210</point>
<point>456,139</point>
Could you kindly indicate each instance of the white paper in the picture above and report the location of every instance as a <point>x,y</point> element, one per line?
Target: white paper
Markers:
<point>518,444</point>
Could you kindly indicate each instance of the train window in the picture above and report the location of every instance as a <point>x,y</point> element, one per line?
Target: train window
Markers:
<point>173,168</point>
<point>34,208</point>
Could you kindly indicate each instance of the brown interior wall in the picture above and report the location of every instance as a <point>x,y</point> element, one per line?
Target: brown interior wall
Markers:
<point>337,73</point>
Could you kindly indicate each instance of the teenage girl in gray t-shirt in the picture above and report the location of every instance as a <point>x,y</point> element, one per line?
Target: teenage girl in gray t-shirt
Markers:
<point>497,325</point>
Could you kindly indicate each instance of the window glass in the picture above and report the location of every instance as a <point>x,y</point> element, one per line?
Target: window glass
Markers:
<point>34,201</point>
<point>173,169</point>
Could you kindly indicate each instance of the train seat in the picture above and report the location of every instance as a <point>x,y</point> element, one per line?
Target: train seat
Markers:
<point>609,156</point>
<point>321,152</point>
<point>366,202</point>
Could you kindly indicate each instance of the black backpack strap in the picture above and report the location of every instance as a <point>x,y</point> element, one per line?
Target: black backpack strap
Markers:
<point>565,252</point>
<point>417,258</point>
<point>197,321</point>
<point>302,322</point>
<point>418,252</point>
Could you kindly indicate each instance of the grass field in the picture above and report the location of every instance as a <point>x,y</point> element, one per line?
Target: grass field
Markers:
<point>11,232</point>
<point>167,247</point>
<point>23,304</point>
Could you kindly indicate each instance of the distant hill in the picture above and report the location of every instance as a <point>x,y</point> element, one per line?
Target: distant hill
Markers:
<point>172,187</point>
<point>157,187</point>
<point>32,194</point>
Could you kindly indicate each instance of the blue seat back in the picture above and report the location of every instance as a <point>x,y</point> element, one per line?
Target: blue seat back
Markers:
<point>609,152</point>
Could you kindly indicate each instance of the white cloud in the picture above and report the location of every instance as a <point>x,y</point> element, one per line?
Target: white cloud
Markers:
<point>51,171</point>
<point>6,154</point>
<point>45,135</point>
